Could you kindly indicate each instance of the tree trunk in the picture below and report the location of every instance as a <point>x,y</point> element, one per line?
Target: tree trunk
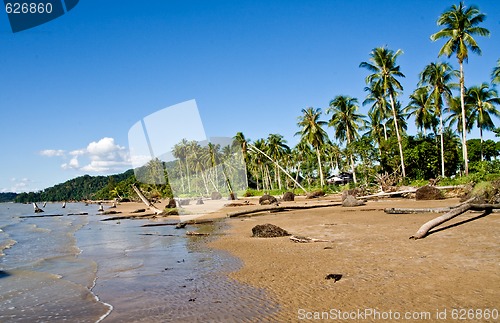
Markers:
<point>481,135</point>
<point>320,168</point>
<point>284,171</point>
<point>397,134</point>
<point>464,128</point>
<point>280,208</point>
<point>146,201</point>
<point>442,143</point>
<point>422,232</point>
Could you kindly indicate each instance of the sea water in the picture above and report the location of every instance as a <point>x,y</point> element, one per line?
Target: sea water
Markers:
<point>78,268</point>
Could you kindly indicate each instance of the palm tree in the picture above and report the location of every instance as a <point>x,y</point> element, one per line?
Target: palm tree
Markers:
<point>482,100</point>
<point>420,107</point>
<point>312,132</point>
<point>438,76</point>
<point>376,129</point>
<point>495,74</point>
<point>460,25</point>
<point>277,149</point>
<point>239,139</point>
<point>384,71</point>
<point>378,110</point>
<point>346,122</point>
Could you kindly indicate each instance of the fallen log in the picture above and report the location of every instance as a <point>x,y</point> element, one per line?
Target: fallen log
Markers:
<point>397,210</point>
<point>280,208</point>
<point>302,239</point>
<point>190,222</point>
<point>424,229</point>
<point>149,204</point>
<point>192,233</point>
<point>382,194</point>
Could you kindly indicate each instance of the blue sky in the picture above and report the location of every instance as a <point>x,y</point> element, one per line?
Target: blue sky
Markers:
<point>72,88</point>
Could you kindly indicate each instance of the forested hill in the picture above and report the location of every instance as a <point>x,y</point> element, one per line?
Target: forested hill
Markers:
<point>7,197</point>
<point>80,188</point>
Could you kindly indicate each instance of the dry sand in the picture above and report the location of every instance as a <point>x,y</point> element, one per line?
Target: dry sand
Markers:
<point>455,268</point>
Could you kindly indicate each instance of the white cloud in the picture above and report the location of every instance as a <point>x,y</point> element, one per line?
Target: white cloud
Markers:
<point>19,185</point>
<point>52,152</point>
<point>99,156</point>
<point>73,164</point>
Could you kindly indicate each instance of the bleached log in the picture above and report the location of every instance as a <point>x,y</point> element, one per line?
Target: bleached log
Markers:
<point>424,230</point>
<point>302,239</point>
<point>398,210</point>
<point>280,208</point>
<point>382,194</point>
<point>149,204</point>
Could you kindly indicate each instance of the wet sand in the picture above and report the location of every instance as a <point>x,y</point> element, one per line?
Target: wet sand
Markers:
<point>456,267</point>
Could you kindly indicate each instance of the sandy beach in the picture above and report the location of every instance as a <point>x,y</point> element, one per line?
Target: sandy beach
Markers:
<point>384,274</point>
<point>382,269</point>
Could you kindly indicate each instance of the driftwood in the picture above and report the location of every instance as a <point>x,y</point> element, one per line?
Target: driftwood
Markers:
<point>190,222</point>
<point>36,208</point>
<point>193,233</point>
<point>149,204</point>
<point>280,208</point>
<point>306,239</point>
<point>382,194</point>
<point>424,230</point>
<point>397,210</point>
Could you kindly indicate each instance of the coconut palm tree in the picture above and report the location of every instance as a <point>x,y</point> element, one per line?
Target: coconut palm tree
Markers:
<point>346,122</point>
<point>482,100</point>
<point>277,149</point>
<point>379,109</point>
<point>495,74</point>
<point>376,129</point>
<point>239,139</point>
<point>460,25</point>
<point>420,107</point>
<point>438,76</point>
<point>385,70</point>
<point>311,130</point>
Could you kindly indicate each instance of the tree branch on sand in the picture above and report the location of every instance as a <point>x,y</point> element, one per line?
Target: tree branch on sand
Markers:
<point>280,208</point>
<point>149,204</point>
<point>424,229</point>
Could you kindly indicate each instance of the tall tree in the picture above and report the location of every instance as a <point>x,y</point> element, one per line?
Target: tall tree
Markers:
<point>482,100</point>
<point>277,149</point>
<point>311,130</point>
<point>439,76</point>
<point>242,142</point>
<point>460,25</point>
<point>346,122</point>
<point>495,74</point>
<point>420,107</point>
<point>379,109</point>
<point>385,70</point>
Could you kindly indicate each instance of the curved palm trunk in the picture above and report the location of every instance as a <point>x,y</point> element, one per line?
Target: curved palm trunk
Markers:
<point>464,129</point>
<point>397,134</point>
<point>320,168</point>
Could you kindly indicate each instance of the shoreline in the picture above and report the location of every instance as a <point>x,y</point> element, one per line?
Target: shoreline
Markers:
<point>455,267</point>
